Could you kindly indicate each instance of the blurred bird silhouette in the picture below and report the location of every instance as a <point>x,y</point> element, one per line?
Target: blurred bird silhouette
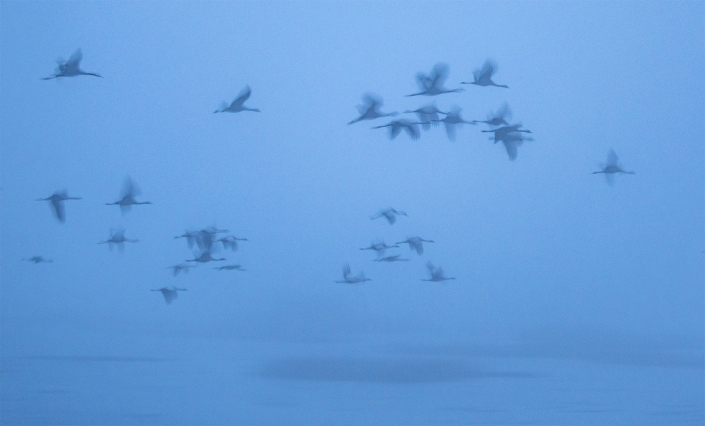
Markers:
<point>498,118</point>
<point>390,214</point>
<point>38,259</point>
<point>416,244</point>
<point>349,279</point>
<point>501,132</point>
<point>57,202</point>
<point>380,248</point>
<point>432,84</point>
<point>428,115</point>
<point>394,258</point>
<point>511,142</point>
<point>230,242</point>
<point>453,119</point>
<point>117,236</point>
<point>238,104</point>
<point>396,126</point>
<point>436,273</point>
<point>483,76</point>
<point>230,268</point>
<point>369,109</point>
<point>71,68</point>
<point>170,293</point>
<point>611,167</point>
<point>128,194</point>
<point>205,257</point>
<point>181,267</point>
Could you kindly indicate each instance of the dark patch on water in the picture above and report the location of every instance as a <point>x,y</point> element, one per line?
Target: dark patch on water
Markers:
<point>74,358</point>
<point>377,370</point>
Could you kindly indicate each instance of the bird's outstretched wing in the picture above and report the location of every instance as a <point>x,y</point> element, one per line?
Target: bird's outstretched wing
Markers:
<point>75,59</point>
<point>439,74</point>
<point>242,97</point>
<point>612,159</point>
<point>58,209</point>
<point>129,188</point>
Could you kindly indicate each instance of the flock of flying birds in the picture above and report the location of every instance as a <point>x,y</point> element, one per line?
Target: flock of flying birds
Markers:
<point>432,84</point>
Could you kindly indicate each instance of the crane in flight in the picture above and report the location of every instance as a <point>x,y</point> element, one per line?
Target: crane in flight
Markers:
<point>57,202</point>
<point>238,105</point>
<point>349,279</point>
<point>369,109</point>
<point>170,293</point>
<point>70,68</point>
<point>483,76</point>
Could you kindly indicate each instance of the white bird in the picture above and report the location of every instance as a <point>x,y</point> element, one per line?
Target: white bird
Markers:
<point>57,202</point>
<point>454,119</point>
<point>117,236</point>
<point>394,258</point>
<point>181,267</point>
<point>611,167</point>
<point>230,268</point>
<point>432,84</point>
<point>369,109</point>
<point>129,191</point>
<point>390,214</point>
<point>416,244</point>
<point>428,115</point>
<point>71,67</point>
<point>170,293</point>
<point>483,76</point>
<point>238,104</point>
<point>38,259</point>
<point>349,279</point>
<point>436,273</point>
<point>396,126</point>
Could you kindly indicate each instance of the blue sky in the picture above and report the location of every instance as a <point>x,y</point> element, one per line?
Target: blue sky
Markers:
<point>542,250</point>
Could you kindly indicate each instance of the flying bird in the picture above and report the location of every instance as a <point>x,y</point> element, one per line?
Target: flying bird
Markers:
<point>394,258</point>
<point>416,244</point>
<point>453,119</point>
<point>611,167</point>
<point>128,194</point>
<point>349,279</point>
<point>71,67</point>
<point>205,257</point>
<point>436,273</point>
<point>380,248</point>
<point>170,293</point>
<point>501,132</point>
<point>390,214</point>
<point>483,76</point>
<point>238,104</point>
<point>38,259</point>
<point>511,142</point>
<point>428,115</point>
<point>181,267</point>
<point>396,126</point>
<point>117,236</point>
<point>369,109</point>
<point>57,202</point>
<point>230,242</point>
<point>230,268</point>
<point>432,84</point>
<point>499,117</point>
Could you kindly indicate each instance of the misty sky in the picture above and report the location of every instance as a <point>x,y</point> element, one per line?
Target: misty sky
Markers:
<point>575,302</point>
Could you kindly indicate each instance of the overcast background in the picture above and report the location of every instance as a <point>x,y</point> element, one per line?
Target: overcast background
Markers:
<point>574,302</point>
